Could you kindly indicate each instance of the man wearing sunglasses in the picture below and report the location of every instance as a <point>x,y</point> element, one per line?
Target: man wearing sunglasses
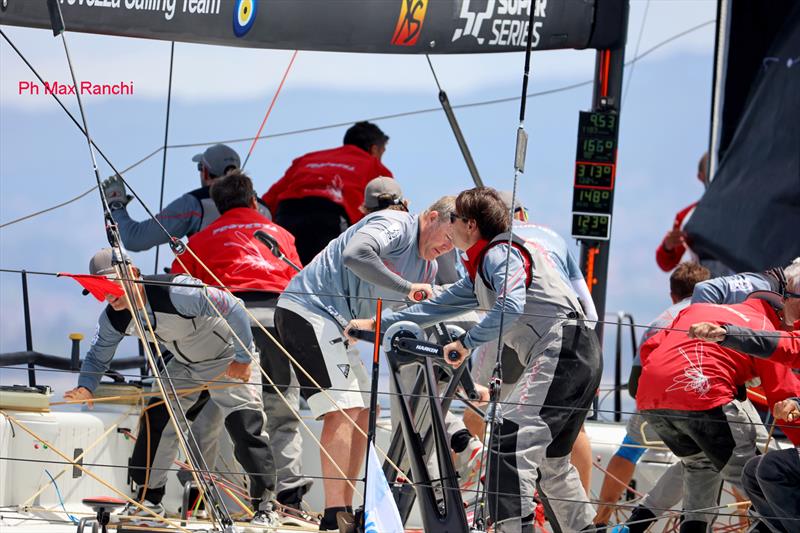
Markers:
<point>184,216</point>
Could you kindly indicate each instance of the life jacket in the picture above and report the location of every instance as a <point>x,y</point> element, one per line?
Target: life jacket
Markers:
<point>208,209</point>
<point>191,339</point>
<point>549,302</point>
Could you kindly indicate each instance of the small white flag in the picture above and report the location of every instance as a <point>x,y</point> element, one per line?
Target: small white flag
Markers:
<point>380,510</point>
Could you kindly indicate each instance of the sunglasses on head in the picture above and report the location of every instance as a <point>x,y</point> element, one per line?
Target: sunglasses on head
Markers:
<point>456,216</point>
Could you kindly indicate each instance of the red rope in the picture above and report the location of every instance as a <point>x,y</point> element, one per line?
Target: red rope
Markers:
<point>271,105</point>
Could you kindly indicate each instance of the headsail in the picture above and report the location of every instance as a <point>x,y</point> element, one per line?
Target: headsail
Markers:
<point>384,26</point>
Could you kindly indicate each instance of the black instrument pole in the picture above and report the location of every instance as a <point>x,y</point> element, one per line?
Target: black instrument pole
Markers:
<point>606,96</point>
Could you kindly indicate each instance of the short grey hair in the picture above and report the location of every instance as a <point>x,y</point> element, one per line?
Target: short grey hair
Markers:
<point>792,273</point>
<point>444,206</point>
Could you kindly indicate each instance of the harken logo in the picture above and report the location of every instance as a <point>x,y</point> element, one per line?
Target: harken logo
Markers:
<point>344,369</point>
<point>244,16</point>
<point>409,23</point>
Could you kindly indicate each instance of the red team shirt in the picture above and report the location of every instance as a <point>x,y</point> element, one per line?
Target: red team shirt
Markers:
<point>692,375</point>
<point>241,261</point>
<point>339,175</point>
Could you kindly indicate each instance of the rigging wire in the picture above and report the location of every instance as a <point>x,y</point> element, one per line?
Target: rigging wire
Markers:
<point>236,289</point>
<point>408,395</point>
<point>166,138</point>
<point>631,506</point>
<point>301,131</point>
<point>635,54</point>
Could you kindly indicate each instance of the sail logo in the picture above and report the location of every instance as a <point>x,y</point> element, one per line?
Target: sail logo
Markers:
<point>501,23</point>
<point>244,16</point>
<point>409,23</point>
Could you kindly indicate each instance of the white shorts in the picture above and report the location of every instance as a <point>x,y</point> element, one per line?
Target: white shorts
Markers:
<point>315,340</point>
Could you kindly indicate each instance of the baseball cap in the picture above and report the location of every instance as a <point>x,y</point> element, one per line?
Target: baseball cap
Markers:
<point>506,197</point>
<point>218,158</point>
<point>382,192</point>
<point>102,263</point>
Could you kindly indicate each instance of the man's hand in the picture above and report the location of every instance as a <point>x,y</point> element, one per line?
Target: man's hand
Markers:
<point>115,193</point>
<point>786,410</point>
<point>673,238</point>
<point>80,394</point>
<point>240,371</point>
<point>706,331</point>
<point>420,291</point>
<point>483,394</point>
<point>455,346</point>
<point>364,324</point>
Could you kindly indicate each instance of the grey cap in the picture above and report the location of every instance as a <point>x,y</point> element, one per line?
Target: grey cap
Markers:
<point>102,263</point>
<point>382,191</point>
<point>218,159</point>
<point>506,197</point>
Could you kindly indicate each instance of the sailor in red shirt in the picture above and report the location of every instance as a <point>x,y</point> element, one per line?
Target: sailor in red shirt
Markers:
<point>245,265</point>
<point>320,194</point>
<point>675,243</point>
<point>686,394</point>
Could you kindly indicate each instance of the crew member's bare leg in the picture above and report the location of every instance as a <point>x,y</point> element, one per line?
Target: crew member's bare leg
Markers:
<point>582,459</point>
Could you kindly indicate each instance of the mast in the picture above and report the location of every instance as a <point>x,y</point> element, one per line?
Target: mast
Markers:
<point>607,98</point>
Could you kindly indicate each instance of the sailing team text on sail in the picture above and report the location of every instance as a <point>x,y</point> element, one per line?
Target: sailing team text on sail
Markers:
<point>200,7</point>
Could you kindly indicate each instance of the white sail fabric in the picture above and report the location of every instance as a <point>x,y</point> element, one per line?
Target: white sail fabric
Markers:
<point>380,509</point>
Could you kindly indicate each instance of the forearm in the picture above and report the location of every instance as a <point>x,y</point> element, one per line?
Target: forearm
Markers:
<point>98,358</point>
<point>778,346</point>
<point>140,236</point>
<point>362,257</point>
<point>449,303</point>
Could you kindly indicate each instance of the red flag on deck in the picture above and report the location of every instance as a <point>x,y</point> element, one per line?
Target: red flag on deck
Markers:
<point>99,286</point>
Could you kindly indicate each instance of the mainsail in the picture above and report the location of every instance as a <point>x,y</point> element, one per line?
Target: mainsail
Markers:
<point>750,216</point>
<point>377,26</point>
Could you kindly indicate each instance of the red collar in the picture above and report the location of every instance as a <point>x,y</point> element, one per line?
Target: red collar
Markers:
<point>473,254</point>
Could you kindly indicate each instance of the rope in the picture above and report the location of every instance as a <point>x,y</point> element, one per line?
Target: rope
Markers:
<point>269,110</point>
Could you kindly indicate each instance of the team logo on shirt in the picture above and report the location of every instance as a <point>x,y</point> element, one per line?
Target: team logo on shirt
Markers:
<point>344,369</point>
<point>693,378</point>
<point>409,23</point>
<point>244,16</point>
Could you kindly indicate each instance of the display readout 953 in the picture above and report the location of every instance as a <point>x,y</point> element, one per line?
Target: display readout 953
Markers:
<point>597,137</point>
<point>591,226</point>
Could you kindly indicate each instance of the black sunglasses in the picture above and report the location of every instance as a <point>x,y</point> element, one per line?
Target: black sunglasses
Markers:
<point>456,216</point>
<point>789,294</point>
<point>200,166</point>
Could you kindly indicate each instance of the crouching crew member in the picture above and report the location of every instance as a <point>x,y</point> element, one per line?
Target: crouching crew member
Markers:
<point>688,385</point>
<point>243,263</point>
<point>560,353</point>
<point>186,322</point>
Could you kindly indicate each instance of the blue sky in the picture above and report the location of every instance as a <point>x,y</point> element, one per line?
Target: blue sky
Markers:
<point>222,93</point>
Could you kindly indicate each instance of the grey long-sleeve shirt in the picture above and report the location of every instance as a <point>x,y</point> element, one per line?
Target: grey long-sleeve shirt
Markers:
<point>188,302</point>
<point>461,294</point>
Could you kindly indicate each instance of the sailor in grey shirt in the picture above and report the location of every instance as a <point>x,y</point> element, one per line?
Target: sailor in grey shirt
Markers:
<point>389,254</point>
<point>184,319</point>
